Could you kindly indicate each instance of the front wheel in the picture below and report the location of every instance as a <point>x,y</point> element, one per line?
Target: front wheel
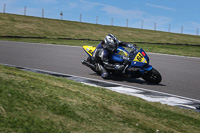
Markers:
<point>152,76</point>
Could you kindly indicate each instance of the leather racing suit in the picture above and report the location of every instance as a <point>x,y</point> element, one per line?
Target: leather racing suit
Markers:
<point>101,58</point>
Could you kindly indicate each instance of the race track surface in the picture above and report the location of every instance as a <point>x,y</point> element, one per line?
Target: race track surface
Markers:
<point>181,75</point>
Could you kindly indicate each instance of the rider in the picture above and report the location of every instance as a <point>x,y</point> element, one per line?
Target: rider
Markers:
<point>102,53</point>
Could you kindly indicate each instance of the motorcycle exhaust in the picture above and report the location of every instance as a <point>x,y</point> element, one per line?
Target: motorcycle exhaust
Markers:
<point>84,62</point>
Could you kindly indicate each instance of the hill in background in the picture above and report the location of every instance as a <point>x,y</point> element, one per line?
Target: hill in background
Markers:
<point>19,25</point>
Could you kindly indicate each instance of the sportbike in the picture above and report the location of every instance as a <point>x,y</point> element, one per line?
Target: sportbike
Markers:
<point>135,60</point>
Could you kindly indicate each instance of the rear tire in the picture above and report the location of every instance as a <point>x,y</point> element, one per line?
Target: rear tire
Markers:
<point>152,76</point>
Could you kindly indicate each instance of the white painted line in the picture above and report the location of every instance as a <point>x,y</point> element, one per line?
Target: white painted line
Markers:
<point>169,100</point>
<point>123,89</point>
<point>187,106</point>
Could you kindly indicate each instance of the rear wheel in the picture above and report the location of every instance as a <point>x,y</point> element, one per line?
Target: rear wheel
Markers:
<point>152,76</point>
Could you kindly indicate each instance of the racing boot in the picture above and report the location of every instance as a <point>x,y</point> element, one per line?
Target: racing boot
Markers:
<point>103,71</point>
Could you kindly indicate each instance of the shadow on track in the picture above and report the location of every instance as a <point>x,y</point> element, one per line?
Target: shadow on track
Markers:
<point>126,79</point>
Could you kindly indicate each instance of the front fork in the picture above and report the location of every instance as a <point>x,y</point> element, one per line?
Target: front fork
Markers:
<point>125,68</point>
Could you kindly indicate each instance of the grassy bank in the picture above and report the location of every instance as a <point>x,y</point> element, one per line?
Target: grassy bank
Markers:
<point>19,25</point>
<point>33,102</point>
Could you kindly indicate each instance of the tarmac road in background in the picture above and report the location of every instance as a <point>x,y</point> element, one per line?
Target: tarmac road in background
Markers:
<point>181,75</point>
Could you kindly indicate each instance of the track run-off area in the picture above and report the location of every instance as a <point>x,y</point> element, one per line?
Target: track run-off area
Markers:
<point>180,75</point>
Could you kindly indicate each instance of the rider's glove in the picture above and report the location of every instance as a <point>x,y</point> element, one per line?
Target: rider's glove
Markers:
<point>119,67</point>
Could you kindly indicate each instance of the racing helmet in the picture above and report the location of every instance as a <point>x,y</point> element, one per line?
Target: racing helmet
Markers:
<point>111,42</point>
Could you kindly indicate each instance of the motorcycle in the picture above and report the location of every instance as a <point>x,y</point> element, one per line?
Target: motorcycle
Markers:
<point>135,60</point>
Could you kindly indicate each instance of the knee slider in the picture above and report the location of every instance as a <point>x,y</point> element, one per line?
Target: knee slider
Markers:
<point>104,75</point>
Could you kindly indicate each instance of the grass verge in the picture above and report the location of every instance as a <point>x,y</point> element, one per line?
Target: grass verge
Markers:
<point>32,102</point>
<point>192,51</point>
<point>20,25</point>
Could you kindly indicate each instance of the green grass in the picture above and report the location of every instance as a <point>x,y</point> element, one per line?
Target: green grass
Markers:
<point>54,41</point>
<point>18,25</point>
<point>34,26</point>
<point>32,102</point>
<point>192,51</point>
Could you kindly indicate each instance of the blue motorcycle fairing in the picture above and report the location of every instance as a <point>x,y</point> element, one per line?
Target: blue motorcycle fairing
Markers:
<point>121,51</point>
<point>137,64</point>
<point>117,57</point>
<point>147,68</point>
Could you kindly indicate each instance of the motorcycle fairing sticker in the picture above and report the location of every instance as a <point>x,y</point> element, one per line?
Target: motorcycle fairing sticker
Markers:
<point>89,49</point>
<point>140,58</point>
<point>122,52</point>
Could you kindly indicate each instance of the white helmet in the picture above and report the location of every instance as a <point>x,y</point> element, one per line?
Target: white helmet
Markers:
<point>111,42</point>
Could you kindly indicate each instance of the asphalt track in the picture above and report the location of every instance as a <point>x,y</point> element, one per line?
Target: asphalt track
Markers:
<point>181,75</point>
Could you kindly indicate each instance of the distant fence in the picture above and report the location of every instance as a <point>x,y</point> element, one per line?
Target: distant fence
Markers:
<point>126,22</point>
<point>95,40</point>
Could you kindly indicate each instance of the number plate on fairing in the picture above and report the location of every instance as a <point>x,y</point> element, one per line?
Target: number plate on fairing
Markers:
<point>140,58</point>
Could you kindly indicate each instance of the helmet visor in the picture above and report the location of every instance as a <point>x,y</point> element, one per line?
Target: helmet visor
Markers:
<point>112,47</point>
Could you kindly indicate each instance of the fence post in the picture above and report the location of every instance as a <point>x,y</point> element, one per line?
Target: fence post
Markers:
<point>127,23</point>
<point>181,29</point>
<point>169,28</point>
<point>42,13</point>
<point>112,21</point>
<point>25,11</point>
<point>197,31</point>
<point>142,24</point>
<point>4,8</point>
<point>96,19</point>
<point>80,17</point>
<point>155,26</point>
<point>61,14</point>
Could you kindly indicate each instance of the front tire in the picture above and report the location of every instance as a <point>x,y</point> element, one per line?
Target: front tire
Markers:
<point>152,76</point>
